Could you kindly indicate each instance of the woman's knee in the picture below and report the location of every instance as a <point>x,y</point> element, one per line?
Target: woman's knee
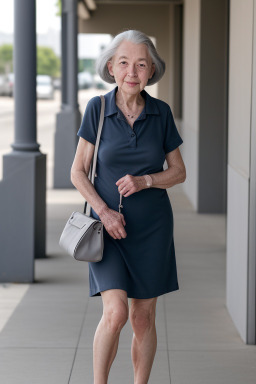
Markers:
<point>115,314</point>
<point>142,316</point>
<point>115,317</point>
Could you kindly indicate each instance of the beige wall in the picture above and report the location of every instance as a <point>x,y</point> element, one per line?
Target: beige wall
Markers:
<point>190,118</point>
<point>240,79</point>
<point>151,19</point>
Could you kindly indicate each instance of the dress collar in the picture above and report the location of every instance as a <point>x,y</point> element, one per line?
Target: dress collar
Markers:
<point>111,108</point>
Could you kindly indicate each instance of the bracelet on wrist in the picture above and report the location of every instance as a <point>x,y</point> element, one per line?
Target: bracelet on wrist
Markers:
<point>149,181</point>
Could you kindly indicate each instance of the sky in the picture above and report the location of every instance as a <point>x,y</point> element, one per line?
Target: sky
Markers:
<point>88,45</point>
<point>46,18</point>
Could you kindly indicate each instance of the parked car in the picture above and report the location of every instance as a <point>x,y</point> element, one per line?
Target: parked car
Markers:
<point>7,84</point>
<point>44,87</point>
<point>99,83</point>
<point>57,83</point>
<point>85,80</point>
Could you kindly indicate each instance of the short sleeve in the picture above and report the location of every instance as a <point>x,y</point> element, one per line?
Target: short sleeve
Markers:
<point>172,138</point>
<point>89,126</point>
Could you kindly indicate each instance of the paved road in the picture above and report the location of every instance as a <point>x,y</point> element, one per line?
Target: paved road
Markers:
<point>46,123</point>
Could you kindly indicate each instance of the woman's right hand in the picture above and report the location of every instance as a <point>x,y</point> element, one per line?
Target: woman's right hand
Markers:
<point>114,223</point>
<point>112,220</point>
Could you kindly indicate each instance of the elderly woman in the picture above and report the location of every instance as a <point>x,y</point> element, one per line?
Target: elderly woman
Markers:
<point>138,262</point>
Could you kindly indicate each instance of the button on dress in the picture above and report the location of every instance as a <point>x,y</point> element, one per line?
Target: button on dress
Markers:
<point>143,264</point>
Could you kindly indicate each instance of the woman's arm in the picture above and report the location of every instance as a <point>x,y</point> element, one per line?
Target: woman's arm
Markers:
<point>79,175</point>
<point>175,174</point>
<point>112,220</point>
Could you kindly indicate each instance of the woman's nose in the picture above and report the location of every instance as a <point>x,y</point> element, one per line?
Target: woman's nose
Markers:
<point>132,71</point>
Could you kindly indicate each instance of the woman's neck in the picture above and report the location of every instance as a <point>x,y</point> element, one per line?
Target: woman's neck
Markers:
<point>129,102</point>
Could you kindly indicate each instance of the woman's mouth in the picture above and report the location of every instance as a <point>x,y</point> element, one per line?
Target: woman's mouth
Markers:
<point>131,83</point>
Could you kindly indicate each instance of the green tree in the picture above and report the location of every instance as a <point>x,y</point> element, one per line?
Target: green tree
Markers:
<point>86,65</point>
<point>6,58</point>
<point>58,5</point>
<point>47,62</point>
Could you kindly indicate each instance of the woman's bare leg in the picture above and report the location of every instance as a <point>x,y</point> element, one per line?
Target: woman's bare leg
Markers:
<point>115,315</point>
<point>144,342</point>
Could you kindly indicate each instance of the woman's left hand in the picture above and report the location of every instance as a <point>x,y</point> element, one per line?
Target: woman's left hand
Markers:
<point>129,184</point>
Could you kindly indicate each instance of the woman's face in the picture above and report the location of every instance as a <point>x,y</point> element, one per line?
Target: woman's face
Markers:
<point>131,67</point>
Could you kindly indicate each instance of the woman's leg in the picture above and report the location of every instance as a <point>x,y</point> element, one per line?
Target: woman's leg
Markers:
<point>115,315</point>
<point>144,342</point>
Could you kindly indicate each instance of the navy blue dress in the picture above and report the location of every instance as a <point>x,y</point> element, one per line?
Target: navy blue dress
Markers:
<point>143,264</point>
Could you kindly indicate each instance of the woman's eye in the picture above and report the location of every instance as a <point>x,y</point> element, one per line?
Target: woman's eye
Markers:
<point>141,65</point>
<point>123,62</point>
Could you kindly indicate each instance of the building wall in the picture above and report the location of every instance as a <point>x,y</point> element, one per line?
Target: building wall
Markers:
<point>240,80</point>
<point>204,115</point>
<point>171,82</point>
<point>175,58</point>
<point>190,116</point>
<point>213,111</point>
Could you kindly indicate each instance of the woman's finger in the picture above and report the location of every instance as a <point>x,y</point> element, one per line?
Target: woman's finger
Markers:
<point>122,187</point>
<point>112,234</point>
<point>125,191</point>
<point>123,220</point>
<point>120,180</point>
<point>123,233</point>
<point>116,235</point>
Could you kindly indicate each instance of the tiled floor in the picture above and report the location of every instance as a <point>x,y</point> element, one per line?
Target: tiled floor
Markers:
<point>48,338</point>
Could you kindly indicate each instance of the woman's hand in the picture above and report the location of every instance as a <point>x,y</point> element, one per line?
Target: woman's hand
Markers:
<point>129,184</point>
<point>114,223</point>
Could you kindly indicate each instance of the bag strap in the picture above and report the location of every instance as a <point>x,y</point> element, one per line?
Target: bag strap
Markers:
<point>98,139</point>
<point>91,176</point>
<point>92,171</point>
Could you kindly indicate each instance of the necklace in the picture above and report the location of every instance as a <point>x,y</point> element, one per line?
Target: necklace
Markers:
<point>132,116</point>
<point>127,113</point>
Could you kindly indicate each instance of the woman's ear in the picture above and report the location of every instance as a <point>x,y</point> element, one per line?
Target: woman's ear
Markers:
<point>153,68</point>
<point>110,68</point>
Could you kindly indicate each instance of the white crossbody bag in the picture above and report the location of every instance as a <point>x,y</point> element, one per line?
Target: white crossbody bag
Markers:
<point>82,236</point>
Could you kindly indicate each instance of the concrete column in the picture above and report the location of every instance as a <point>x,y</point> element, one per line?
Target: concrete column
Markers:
<point>190,96</point>
<point>72,53</point>
<point>25,76</point>
<point>251,324</point>
<point>213,107</point>
<point>63,58</point>
<point>204,103</point>
<point>177,60</point>
<point>23,188</point>
<point>69,118</point>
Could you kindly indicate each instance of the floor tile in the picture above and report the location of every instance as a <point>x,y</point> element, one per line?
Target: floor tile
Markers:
<point>35,366</point>
<point>82,372</point>
<point>208,367</point>
<point>121,370</point>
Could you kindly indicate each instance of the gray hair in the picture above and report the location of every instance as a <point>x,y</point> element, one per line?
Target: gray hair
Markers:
<point>135,37</point>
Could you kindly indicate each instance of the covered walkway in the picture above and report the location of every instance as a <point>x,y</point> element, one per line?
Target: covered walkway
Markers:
<point>48,338</point>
